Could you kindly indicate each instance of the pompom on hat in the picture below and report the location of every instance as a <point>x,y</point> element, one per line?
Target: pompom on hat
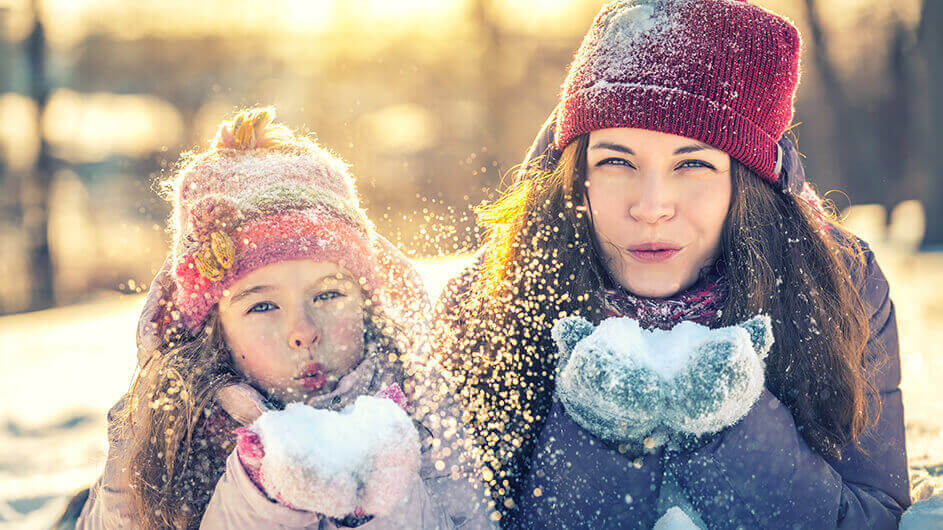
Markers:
<point>261,195</point>
<point>723,72</point>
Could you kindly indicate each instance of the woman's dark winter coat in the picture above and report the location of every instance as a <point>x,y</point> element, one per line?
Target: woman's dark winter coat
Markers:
<point>759,473</point>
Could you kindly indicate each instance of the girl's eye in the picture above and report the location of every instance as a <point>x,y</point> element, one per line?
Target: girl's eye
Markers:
<point>328,295</point>
<point>262,307</point>
<point>694,164</point>
<point>614,161</point>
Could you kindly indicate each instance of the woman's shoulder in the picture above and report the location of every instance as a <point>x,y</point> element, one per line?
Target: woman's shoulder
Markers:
<point>461,285</point>
<point>872,285</point>
<point>862,265</point>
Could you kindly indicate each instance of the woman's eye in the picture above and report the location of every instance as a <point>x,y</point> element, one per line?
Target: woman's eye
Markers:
<point>614,161</point>
<point>262,307</point>
<point>694,164</point>
<point>328,295</point>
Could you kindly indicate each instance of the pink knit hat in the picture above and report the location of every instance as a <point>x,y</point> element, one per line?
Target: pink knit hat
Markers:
<point>261,195</point>
<point>720,71</point>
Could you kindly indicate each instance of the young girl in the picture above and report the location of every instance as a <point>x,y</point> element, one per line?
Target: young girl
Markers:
<point>278,291</point>
<point>665,191</point>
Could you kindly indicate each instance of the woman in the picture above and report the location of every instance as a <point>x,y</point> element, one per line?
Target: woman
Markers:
<point>665,191</point>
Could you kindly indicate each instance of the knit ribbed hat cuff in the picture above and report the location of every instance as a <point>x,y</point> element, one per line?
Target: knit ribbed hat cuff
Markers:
<point>320,238</point>
<point>670,111</point>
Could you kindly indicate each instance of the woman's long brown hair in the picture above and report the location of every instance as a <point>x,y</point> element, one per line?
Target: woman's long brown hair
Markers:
<point>782,255</point>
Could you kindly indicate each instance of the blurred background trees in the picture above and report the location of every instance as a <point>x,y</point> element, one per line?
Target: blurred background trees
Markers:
<point>432,103</point>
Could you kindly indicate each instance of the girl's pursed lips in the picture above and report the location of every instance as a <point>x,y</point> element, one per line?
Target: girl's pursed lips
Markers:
<point>312,376</point>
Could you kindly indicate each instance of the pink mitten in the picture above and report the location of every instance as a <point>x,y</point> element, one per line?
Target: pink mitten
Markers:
<point>360,460</point>
<point>395,393</point>
<point>394,466</point>
<point>250,451</point>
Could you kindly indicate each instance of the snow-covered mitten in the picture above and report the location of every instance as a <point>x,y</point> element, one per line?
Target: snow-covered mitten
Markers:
<point>362,459</point>
<point>927,513</point>
<point>602,386</point>
<point>722,379</point>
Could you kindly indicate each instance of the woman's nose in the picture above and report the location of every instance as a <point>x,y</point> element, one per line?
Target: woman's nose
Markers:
<point>652,202</point>
<point>304,333</point>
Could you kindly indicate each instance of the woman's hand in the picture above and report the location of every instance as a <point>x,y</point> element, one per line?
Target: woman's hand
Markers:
<point>722,381</point>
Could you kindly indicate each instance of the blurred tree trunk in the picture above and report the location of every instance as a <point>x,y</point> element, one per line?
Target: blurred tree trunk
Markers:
<point>35,189</point>
<point>897,120</point>
<point>930,42</point>
<point>849,124</point>
<point>491,87</point>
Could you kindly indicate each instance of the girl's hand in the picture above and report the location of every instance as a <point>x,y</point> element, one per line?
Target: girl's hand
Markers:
<point>368,474</point>
<point>242,402</point>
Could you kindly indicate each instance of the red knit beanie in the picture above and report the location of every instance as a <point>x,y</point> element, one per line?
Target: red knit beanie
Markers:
<point>720,71</point>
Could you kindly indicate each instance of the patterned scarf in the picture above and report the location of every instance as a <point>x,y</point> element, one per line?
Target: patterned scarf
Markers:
<point>701,303</point>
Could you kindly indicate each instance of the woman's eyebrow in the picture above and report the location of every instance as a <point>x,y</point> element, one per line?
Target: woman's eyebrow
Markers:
<point>623,149</point>
<point>247,292</point>
<point>691,148</point>
<point>613,147</point>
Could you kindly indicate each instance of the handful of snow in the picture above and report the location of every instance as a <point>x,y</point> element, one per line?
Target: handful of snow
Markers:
<point>625,384</point>
<point>366,455</point>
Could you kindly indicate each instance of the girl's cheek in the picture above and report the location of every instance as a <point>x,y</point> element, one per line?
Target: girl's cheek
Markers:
<point>259,359</point>
<point>348,339</point>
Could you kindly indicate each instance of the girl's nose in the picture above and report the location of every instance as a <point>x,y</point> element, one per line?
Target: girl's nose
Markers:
<point>653,203</point>
<point>304,334</point>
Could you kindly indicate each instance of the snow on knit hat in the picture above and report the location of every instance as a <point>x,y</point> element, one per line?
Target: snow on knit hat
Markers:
<point>720,71</point>
<point>261,195</point>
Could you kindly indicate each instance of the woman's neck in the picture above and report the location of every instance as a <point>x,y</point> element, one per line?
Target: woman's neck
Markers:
<point>700,302</point>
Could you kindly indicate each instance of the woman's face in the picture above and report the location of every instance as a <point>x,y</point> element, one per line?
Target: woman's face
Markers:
<point>295,327</point>
<point>659,202</point>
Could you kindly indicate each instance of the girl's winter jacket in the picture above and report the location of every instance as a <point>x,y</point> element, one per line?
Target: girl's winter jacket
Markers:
<point>435,499</point>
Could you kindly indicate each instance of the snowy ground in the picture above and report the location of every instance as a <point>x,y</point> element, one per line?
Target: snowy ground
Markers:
<point>60,370</point>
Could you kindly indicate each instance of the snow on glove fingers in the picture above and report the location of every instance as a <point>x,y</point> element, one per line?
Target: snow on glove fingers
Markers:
<point>395,466</point>
<point>722,379</point>
<point>602,385</point>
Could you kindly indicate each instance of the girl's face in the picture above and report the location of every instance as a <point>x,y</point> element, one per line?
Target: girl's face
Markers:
<point>294,327</point>
<point>658,203</point>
